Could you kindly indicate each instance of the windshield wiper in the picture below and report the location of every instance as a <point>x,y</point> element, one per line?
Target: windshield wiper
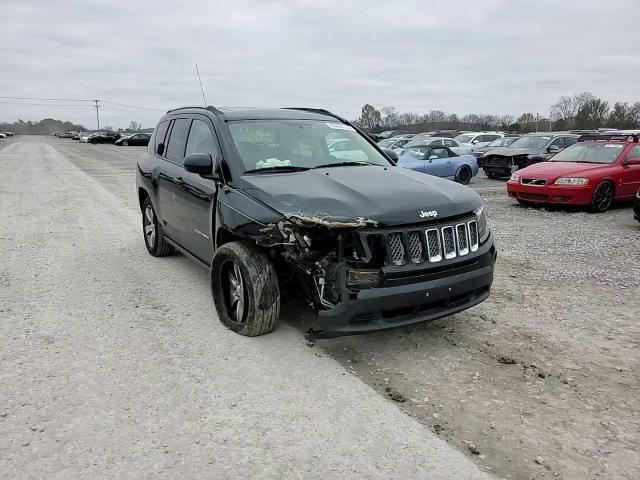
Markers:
<point>279,169</point>
<point>344,164</point>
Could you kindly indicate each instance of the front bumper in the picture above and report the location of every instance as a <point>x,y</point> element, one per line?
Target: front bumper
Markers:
<point>385,308</point>
<point>559,194</point>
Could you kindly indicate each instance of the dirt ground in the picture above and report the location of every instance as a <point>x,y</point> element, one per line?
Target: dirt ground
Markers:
<point>539,381</point>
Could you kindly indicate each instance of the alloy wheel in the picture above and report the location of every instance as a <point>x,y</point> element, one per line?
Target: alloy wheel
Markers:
<point>149,227</point>
<point>233,287</point>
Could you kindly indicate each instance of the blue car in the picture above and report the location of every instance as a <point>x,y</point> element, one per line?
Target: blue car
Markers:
<point>439,161</point>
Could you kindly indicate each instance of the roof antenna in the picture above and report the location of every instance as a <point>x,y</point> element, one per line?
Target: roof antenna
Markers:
<point>202,89</point>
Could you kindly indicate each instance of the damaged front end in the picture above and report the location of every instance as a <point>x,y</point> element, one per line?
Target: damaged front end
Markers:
<point>330,254</point>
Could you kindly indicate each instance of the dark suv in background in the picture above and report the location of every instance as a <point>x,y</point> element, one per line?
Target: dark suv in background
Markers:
<point>525,151</point>
<point>258,199</point>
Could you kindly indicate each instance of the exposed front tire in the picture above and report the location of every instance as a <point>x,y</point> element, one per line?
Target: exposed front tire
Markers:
<point>602,197</point>
<point>464,174</point>
<point>245,290</point>
<point>125,144</point>
<point>154,239</point>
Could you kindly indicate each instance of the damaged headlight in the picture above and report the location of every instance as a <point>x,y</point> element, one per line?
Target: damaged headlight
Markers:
<point>483,230</point>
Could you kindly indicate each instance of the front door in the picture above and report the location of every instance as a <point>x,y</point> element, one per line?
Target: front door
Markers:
<point>195,204</point>
<point>630,183</point>
<point>439,163</point>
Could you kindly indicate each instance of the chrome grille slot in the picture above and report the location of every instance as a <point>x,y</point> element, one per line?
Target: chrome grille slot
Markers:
<point>395,248</point>
<point>448,243</point>
<point>434,246</point>
<point>473,235</point>
<point>414,246</point>
<point>462,240</point>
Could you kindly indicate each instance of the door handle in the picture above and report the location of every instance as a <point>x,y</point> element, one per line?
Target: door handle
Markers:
<point>178,181</point>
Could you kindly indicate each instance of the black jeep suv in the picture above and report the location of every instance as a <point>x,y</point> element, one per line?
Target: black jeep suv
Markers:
<point>257,198</point>
<point>525,151</point>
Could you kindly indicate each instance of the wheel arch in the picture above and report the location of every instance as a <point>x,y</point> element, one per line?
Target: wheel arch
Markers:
<point>142,196</point>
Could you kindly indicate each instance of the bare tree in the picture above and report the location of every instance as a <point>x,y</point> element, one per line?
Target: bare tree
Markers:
<point>390,117</point>
<point>135,126</point>
<point>370,118</point>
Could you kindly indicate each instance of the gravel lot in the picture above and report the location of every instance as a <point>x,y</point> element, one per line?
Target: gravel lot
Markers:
<point>540,381</point>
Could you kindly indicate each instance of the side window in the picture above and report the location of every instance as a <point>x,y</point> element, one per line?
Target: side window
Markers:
<point>201,140</point>
<point>559,142</point>
<point>159,133</point>
<point>449,143</point>
<point>490,138</point>
<point>436,143</point>
<point>178,140</point>
<point>440,152</point>
<point>568,141</point>
<point>634,152</point>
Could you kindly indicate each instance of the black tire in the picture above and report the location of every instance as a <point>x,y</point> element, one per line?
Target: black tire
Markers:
<point>603,196</point>
<point>259,290</point>
<point>523,203</point>
<point>464,175</point>
<point>154,239</point>
<point>125,144</point>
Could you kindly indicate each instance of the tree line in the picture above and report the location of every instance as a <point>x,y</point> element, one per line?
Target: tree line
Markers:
<point>50,125</point>
<point>42,127</point>
<point>579,111</point>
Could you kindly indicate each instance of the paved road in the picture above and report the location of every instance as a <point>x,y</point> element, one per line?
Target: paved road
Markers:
<point>114,366</point>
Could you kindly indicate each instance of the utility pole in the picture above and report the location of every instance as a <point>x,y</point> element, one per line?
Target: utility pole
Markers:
<point>97,115</point>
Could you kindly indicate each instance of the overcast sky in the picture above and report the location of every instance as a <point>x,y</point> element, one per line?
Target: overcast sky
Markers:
<point>471,56</point>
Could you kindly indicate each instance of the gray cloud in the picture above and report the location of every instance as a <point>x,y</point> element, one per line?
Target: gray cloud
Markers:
<point>495,56</point>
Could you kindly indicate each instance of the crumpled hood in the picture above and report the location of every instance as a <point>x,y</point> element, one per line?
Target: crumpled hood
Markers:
<point>552,170</point>
<point>512,152</point>
<point>387,196</point>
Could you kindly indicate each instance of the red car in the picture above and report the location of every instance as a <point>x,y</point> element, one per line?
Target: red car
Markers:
<point>596,171</point>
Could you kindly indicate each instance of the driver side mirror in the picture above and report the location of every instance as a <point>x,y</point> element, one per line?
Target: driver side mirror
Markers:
<point>391,155</point>
<point>160,149</point>
<point>475,141</point>
<point>200,164</point>
<point>553,148</point>
<point>432,157</point>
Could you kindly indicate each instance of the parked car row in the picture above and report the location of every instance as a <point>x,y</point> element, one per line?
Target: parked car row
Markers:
<point>596,171</point>
<point>107,137</point>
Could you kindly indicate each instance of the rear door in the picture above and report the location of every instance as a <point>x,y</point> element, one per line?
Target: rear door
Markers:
<point>195,203</point>
<point>170,180</point>
<point>630,179</point>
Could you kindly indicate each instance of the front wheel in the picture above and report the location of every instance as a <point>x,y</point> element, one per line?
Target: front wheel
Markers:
<point>602,198</point>
<point>245,290</point>
<point>464,174</point>
<point>125,144</point>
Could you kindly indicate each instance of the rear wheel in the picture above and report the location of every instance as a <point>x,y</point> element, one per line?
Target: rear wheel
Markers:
<point>603,196</point>
<point>245,289</point>
<point>125,144</point>
<point>154,239</point>
<point>464,174</point>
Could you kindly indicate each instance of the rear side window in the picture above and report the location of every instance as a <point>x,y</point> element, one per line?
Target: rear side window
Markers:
<point>177,140</point>
<point>436,143</point>
<point>159,133</point>
<point>201,139</point>
<point>568,141</point>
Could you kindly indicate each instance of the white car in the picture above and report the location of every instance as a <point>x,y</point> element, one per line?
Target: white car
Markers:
<point>84,138</point>
<point>435,142</point>
<point>473,140</point>
<point>2,135</point>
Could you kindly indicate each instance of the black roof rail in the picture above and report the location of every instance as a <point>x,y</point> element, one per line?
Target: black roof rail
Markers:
<point>211,108</point>
<point>321,111</point>
<point>609,136</point>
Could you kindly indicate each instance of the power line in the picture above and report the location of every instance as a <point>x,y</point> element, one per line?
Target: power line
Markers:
<point>46,104</point>
<point>132,106</point>
<point>51,99</point>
